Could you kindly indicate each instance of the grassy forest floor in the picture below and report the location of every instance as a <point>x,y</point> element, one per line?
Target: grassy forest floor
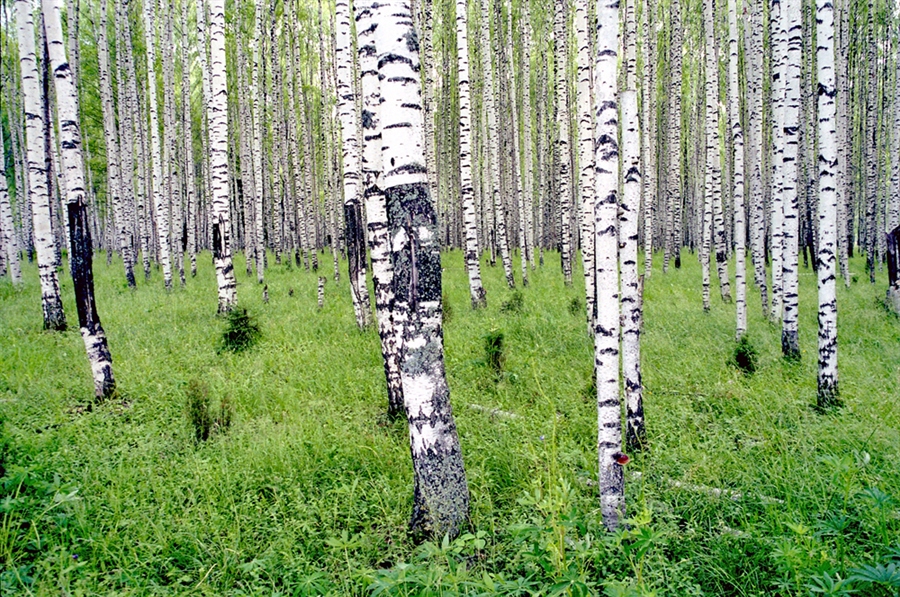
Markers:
<point>744,489</point>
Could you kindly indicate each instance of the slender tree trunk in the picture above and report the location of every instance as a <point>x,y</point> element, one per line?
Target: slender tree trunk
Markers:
<point>9,244</point>
<point>80,237</point>
<point>606,325</point>
<point>44,241</point>
<point>828,204</point>
<point>790,344</point>
<point>561,38</point>
<point>376,208</point>
<point>527,130</point>
<point>441,497</point>
<point>674,199</point>
<point>217,103</point>
<point>586,154</point>
<point>356,245</point>
<point>473,266</point>
<point>188,142</point>
<point>737,137</point>
<point>779,56</point>
<point>648,131</point>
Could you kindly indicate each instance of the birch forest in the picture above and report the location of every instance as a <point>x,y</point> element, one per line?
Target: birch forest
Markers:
<point>450,297</point>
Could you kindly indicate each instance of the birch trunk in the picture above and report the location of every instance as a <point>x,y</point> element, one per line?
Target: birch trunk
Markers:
<point>188,140</point>
<point>376,208</point>
<point>606,324</point>
<point>563,188</point>
<point>828,204</point>
<point>737,139</point>
<point>44,241</point>
<point>80,237</point>
<point>529,142</point>
<point>156,182</point>
<point>672,247</point>
<point>779,53</point>
<point>9,244</point>
<point>217,106</point>
<point>356,246</point>
<point>790,345</point>
<point>473,266</point>
<point>648,137</point>
<point>585,154</point>
<point>441,497</point>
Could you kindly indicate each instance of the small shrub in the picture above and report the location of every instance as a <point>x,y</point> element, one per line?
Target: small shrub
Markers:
<point>241,331</point>
<point>493,351</point>
<point>198,409</point>
<point>575,306</point>
<point>745,356</point>
<point>515,303</point>
<point>447,308</point>
<point>203,421</point>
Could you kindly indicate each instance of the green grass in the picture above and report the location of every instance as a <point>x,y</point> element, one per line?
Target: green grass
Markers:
<point>309,490</point>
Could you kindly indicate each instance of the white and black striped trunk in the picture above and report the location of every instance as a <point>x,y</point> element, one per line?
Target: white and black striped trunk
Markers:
<point>586,154</point>
<point>44,241</point>
<point>737,139</point>
<point>828,205</point>
<point>353,220</point>
<point>9,243</point>
<point>216,105</point>
<point>441,497</point>
<point>606,323</point>
<point>470,223</point>
<point>673,235</point>
<point>779,47</point>
<point>790,345</point>
<point>79,229</point>
<point>563,187</point>
<point>188,142</point>
<point>376,209</point>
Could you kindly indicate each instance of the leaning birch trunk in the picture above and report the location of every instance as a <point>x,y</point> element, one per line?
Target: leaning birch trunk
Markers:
<point>828,203</point>
<point>441,497</point>
<point>9,244</point>
<point>44,241</point>
<point>629,215</point>
<point>737,139</point>
<point>376,209</point>
<point>217,107</point>
<point>563,188</point>
<point>586,154</point>
<point>606,324</point>
<point>111,135</point>
<point>80,236</point>
<point>156,182</point>
<point>473,266</point>
<point>790,344</point>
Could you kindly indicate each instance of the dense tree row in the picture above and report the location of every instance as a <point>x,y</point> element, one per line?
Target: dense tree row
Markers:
<point>733,130</point>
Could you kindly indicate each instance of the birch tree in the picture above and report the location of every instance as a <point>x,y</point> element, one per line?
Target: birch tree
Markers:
<point>585,153</point>
<point>353,222</point>
<point>563,188</point>
<point>737,141</point>
<point>9,244</point>
<point>44,241</point>
<point>828,203</point>
<point>441,496</point>
<point>217,106</point>
<point>790,344</point>
<point>80,236</point>
<point>606,324</point>
<point>470,223</point>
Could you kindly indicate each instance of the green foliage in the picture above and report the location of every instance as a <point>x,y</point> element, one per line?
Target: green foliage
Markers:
<point>263,509</point>
<point>241,331</point>
<point>745,356</point>
<point>200,411</point>
<point>515,304</point>
<point>493,351</point>
<point>576,306</point>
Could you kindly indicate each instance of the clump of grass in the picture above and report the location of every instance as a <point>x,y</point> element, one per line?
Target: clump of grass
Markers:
<point>493,351</point>
<point>447,308</point>
<point>199,409</point>
<point>515,303</point>
<point>575,306</point>
<point>241,331</point>
<point>745,356</point>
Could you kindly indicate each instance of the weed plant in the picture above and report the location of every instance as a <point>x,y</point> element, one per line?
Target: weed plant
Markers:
<point>745,356</point>
<point>241,329</point>
<point>744,489</point>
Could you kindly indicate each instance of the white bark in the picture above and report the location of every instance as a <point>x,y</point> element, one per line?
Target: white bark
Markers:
<point>9,244</point>
<point>80,241</point>
<point>563,188</point>
<point>737,138</point>
<point>188,140</point>
<point>217,109</point>
<point>473,266</point>
<point>828,204</point>
<point>585,154</point>
<point>44,242</point>
<point>672,246</point>
<point>779,51</point>
<point>606,325</point>
<point>156,183</point>
<point>441,497</point>
<point>790,345</point>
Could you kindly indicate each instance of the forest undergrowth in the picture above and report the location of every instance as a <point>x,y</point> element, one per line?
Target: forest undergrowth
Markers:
<point>743,488</point>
